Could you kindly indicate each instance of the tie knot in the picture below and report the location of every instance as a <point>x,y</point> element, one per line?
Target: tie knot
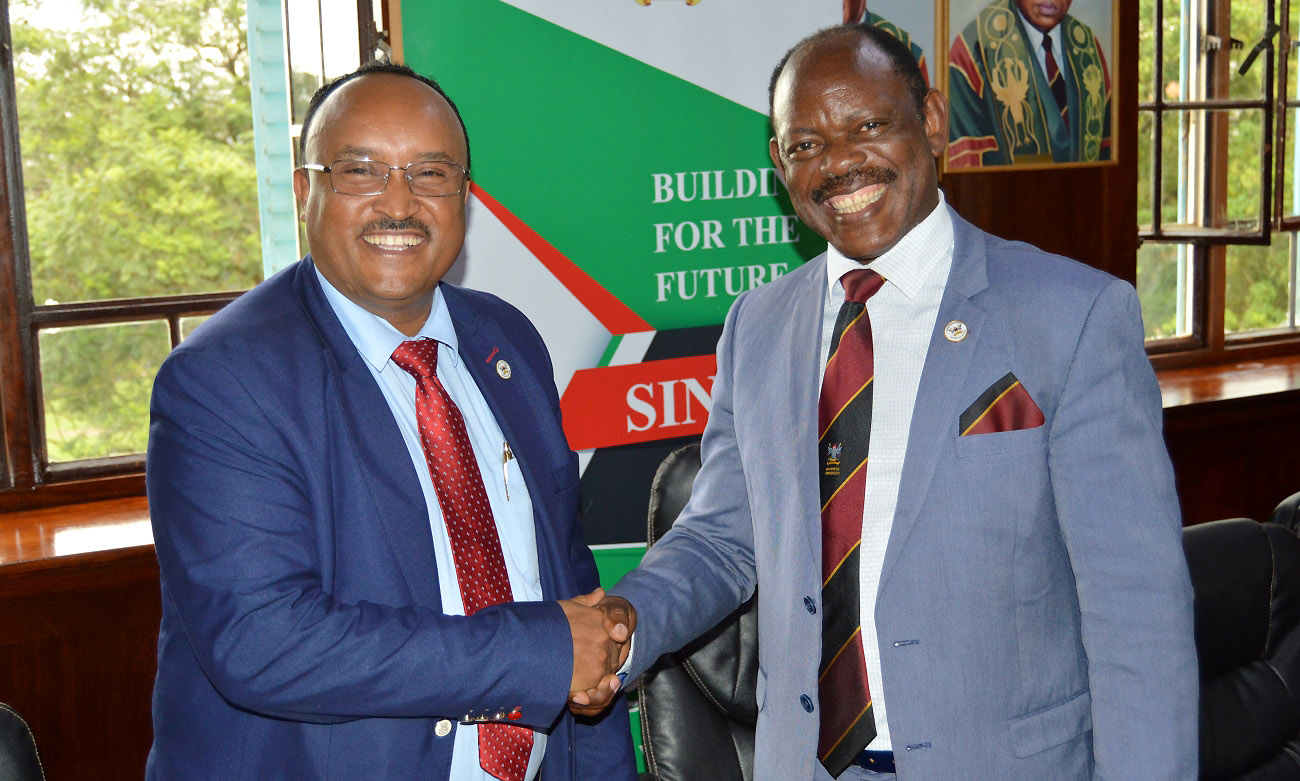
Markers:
<point>861,284</point>
<point>417,357</point>
<point>1047,42</point>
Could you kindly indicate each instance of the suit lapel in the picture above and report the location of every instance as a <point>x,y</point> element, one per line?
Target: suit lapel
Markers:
<point>805,328</point>
<point>482,344</point>
<point>389,474</point>
<point>934,416</point>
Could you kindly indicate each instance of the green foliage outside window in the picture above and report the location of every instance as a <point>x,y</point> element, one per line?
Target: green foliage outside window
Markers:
<point>139,181</point>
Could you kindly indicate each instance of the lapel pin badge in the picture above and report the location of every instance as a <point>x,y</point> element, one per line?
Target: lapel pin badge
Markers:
<point>955,331</point>
<point>503,370</point>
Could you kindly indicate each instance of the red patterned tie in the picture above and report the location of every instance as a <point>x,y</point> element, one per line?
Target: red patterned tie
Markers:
<point>844,422</point>
<point>503,749</point>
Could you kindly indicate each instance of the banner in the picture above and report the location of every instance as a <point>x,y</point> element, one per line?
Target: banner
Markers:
<point>623,198</point>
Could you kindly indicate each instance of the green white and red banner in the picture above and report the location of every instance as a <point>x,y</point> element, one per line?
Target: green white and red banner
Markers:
<point>623,197</point>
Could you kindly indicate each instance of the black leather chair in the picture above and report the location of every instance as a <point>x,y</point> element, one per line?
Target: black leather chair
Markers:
<point>1246,577</point>
<point>1287,513</point>
<point>698,706</point>
<point>18,758</point>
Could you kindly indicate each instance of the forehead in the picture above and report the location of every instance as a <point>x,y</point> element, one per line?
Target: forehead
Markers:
<point>383,111</point>
<point>842,74</point>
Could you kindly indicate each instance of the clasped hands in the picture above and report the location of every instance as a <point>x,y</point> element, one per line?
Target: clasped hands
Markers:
<point>602,628</point>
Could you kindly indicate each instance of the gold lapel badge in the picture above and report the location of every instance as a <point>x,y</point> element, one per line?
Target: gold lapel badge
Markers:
<point>955,331</point>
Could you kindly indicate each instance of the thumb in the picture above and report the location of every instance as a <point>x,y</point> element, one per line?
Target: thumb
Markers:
<point>592,599</point>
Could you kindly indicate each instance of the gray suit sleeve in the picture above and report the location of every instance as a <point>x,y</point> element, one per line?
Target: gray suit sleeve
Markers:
<point>703,568</point>
<point>1119,517</point>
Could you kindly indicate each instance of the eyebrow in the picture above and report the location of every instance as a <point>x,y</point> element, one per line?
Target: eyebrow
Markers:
<point>361,152</point>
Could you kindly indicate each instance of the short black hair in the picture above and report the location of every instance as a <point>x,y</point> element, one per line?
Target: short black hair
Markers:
<point>900,57</point>
<point>328,89</point>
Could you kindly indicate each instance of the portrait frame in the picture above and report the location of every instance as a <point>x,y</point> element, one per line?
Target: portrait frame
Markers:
<point>913,23</point>
<point>1002,114</point>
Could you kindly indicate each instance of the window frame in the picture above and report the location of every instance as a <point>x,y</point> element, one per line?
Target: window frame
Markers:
<point>1207,342</point>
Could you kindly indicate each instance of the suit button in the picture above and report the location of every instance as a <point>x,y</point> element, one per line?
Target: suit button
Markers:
<point>806,702</point>
<point>443,728</point>
<point>810,604</point>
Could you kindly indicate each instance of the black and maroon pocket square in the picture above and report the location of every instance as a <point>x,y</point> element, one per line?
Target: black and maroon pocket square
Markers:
<point>1005,406</point>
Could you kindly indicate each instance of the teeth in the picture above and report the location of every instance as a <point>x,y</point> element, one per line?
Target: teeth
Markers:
<point>856,202</point>
<point>389,240</point>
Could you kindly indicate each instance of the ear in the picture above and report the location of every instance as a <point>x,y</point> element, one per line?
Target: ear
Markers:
<point>774,150</point>
<point>936,121</point>
<point>301,188</point>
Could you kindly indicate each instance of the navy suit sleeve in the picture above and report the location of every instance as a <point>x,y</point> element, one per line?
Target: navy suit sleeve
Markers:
<point>1118,512</point>
<point>247,565</point>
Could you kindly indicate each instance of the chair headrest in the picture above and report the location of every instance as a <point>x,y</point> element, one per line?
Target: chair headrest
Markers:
<point>671,489</point>
<point>1287,513</point>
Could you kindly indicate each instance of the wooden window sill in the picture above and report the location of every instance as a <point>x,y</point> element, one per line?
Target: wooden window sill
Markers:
<point>1181,390</point>
<point>70,529</point>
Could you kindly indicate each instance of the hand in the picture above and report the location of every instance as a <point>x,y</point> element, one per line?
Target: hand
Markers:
<point>853,10</point>
<point>602,629</point>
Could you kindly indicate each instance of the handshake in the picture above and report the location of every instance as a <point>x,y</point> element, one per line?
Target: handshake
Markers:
<point>602,629</point>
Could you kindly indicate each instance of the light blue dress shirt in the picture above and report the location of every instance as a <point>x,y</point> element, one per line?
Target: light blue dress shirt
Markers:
<point>375,339</point>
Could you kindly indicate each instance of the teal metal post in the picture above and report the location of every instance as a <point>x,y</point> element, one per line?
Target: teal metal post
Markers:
<point>269,81</point>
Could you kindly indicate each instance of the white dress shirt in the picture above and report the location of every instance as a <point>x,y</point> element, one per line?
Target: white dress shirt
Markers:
<point>375,339</point>
<point>1036,44</point>
<point>903,317</point>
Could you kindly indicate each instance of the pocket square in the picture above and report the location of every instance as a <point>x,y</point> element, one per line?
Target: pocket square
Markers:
<point>1005,406</point>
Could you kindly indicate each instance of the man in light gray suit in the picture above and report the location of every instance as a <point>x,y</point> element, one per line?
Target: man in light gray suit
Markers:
<point>1024,602</point>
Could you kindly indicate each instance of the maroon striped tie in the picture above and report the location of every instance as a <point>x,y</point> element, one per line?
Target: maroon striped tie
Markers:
<point>1055,80</point>
<point>844,421</point>
<point>503,749</point>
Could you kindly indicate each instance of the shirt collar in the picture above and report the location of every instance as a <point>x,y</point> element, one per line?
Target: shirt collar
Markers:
<point>375,338</point>
<point>908,263</point>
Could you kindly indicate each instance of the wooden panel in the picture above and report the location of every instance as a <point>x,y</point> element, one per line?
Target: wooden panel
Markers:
<point>77,658</point>
<point>1235,458</point>
<point>1233,433</point>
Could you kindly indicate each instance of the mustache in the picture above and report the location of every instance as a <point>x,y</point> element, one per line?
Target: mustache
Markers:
<point>855,179</point>
<point>390,224</point>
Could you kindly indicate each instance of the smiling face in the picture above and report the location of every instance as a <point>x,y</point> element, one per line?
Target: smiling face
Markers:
<point>1044,14</point>
<point>857,160</point>
<point>385,252</point>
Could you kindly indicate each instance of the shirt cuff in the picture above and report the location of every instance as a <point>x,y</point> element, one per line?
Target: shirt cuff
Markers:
<point>627,665</point>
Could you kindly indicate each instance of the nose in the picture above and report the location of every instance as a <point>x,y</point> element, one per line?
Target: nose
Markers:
<point>842,156</point>
<point>397,200</point>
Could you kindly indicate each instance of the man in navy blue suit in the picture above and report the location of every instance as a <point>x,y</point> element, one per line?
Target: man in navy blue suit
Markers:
<point>316,619</point>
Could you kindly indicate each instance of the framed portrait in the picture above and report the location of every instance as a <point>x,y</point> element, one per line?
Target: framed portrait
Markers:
<point>910,21</point>
<point>1029,83</point>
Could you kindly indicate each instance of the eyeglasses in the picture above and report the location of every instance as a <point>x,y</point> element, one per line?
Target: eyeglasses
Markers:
<point>370,177</point>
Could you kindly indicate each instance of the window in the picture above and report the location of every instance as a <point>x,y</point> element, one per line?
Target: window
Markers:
<point>1218,212</point>
<point>131,185</point>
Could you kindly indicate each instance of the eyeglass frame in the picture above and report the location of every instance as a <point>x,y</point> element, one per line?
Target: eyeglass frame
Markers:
<point>327,169</point>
